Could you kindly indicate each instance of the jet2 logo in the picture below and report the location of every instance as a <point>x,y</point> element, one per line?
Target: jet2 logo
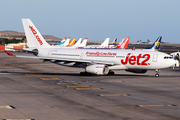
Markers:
<point>35,34</point>
<point>133,60</point>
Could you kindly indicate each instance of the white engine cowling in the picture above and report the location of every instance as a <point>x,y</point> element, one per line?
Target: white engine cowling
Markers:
<point>97,69</point>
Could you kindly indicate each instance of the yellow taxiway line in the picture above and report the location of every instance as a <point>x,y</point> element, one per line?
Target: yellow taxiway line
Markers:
<point>95,81</point>
<point>113,95</point>
<point>67,83</point>
<point>85,86</point>
<point>88,88</point>
<point>155,105</point>
<point>50,78</point>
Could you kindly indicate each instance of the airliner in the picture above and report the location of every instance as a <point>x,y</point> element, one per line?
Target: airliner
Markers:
<point>78,43</point>
<point>103,45</point>
<point>95,61</point>
<point>123,44</point>
<point>62,42</point>
<point>72,42</point>
<point>154,47</point>
<point>113,43</point>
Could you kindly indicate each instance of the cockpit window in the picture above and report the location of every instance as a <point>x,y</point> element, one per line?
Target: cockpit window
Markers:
<point>168,57</point>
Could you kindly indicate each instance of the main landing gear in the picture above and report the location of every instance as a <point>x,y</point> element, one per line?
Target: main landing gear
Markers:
<point>110,72</point>
<point>157,73</point>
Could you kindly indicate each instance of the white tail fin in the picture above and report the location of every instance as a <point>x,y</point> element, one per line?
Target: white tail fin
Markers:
<point>66,42</point>
<point>34,38</point>
<point>78,42</point>
<point>84,42</point>
<point>105,43</point>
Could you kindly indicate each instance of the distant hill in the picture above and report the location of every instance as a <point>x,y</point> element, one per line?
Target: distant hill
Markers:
<point>19,35</point>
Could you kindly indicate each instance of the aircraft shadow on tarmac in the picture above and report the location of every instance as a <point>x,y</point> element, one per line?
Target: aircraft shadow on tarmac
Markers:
<point>77,74</point>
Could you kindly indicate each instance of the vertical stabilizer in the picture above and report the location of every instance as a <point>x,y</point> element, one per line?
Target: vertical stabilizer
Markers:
<point>156,44</point>
<point>63,41</point>
<point>33,36</point>
<point>120,43</point>
<point>78,42</point>
<point>124,45</point>
<point>66,43</point>
<point>84,42</point>
<point>72,42</point>
<point>105,43</point>
<point>114,42</point>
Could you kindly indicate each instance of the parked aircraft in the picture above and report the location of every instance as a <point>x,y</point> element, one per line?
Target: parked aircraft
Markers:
<point>123,44</point>
<point>63,41</point>
<point>79,45</point>
<point>96,61</point>
<point>113,44</point>
<point>103,45</point>
<point>83,44</point>
<point>72,42</point>
<point>78,42</point>
<point>155,45</point>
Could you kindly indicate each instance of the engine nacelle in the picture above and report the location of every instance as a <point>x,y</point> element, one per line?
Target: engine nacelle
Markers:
<point>137,71</point>
<point>97,69</point>
<point>35,52</point>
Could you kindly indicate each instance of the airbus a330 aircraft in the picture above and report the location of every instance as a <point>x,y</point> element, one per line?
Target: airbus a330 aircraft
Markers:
<point>96,61</point>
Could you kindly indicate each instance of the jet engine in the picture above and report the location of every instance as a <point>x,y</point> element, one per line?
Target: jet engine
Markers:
<point>35,52</point>
<point>97,69</point>
<point>136,71</point>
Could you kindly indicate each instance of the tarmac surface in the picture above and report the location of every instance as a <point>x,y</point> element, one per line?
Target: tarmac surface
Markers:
<point>34,90</point>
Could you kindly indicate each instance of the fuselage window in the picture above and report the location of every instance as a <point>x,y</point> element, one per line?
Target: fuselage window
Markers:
<point>168,57</point>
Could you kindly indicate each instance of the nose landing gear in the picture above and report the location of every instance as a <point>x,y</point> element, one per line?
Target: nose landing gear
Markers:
<point>157,73</point>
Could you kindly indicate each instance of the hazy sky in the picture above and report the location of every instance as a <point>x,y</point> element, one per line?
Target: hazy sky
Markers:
<point>96,19</point>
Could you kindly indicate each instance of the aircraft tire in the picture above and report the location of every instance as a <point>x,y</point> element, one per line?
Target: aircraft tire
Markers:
<point>156,75</point>
<point>111,73</point>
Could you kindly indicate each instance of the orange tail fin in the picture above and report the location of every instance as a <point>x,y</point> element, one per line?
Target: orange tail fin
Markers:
<point>72,42</point>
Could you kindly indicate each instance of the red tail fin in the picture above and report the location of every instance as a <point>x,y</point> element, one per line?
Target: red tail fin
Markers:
<point>121,42</point>
<point>124,45</point>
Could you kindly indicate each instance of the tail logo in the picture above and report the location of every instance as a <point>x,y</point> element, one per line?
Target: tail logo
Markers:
<point>157,44</point>
<point>35,34</point>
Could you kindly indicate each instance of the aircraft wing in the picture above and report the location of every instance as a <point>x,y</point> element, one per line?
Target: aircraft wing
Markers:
<point>64,59</point>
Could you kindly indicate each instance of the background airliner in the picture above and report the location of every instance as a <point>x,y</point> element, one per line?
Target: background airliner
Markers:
<point>96,61</point>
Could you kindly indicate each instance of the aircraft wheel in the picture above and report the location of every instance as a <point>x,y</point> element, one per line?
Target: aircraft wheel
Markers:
<point>156,75</point>
<point>110,73</point>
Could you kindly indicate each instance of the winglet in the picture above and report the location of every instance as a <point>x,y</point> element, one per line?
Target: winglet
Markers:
<point>8,53</point>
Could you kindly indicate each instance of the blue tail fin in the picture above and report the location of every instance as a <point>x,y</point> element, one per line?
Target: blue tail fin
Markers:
<point>62,42</point>
<point>156,44</point>
<point>114,42</point>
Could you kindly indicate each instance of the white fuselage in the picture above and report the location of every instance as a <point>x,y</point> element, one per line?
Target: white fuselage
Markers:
<point>122,59</point>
